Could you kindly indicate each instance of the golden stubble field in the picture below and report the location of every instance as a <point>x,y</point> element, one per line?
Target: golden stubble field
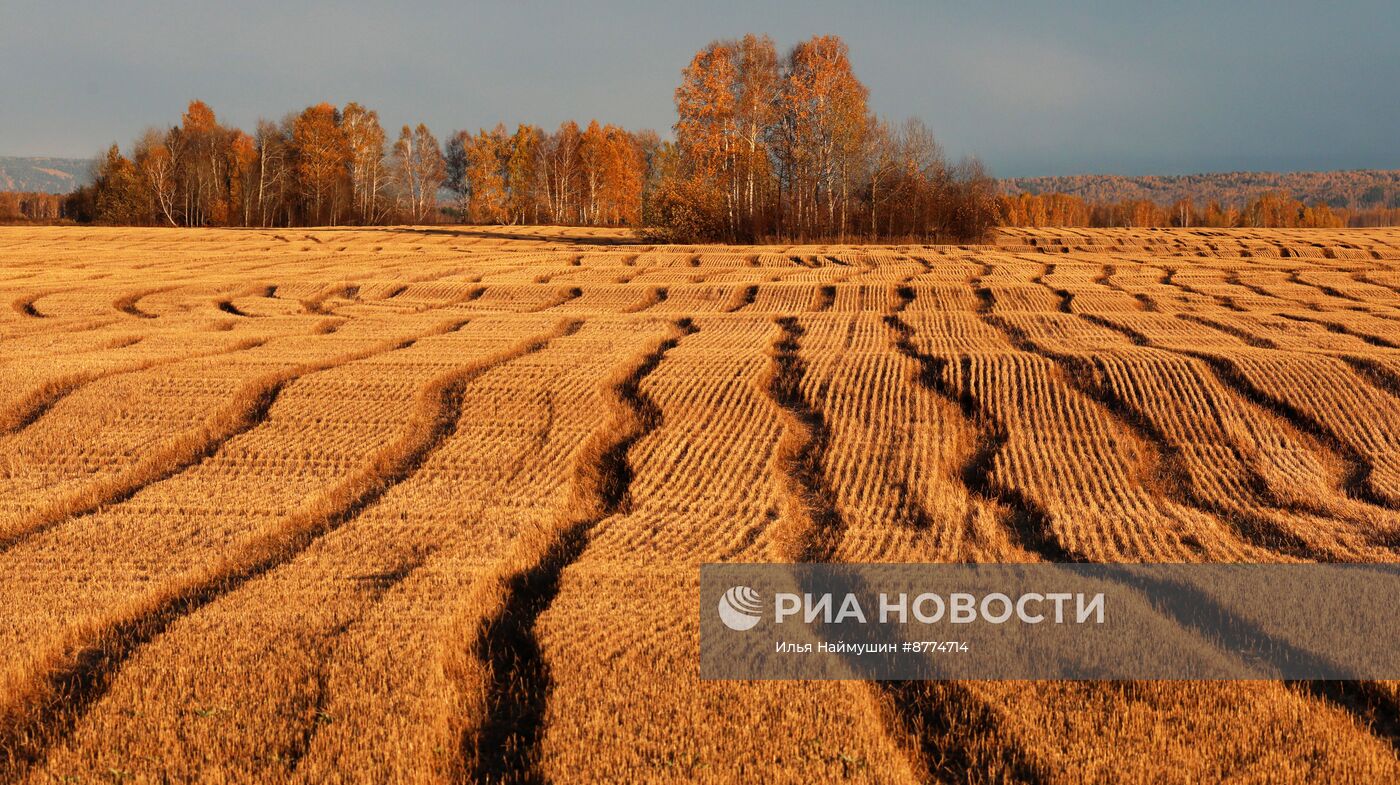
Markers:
<point>427,505</point>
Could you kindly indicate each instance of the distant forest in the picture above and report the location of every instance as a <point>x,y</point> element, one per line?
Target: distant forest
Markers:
<point>1354,190</point>
<point>1302,199</point>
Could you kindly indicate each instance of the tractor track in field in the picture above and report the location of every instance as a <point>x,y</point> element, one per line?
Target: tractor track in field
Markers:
<point>1342,329</point>
<point>917,717</point>
<point>1362,277</point>
<point>653,297</point>
<point>1225,300</point>
<point>316,304</point>
<point>129,303</point>
<point>1089,376</point>
<point>229,308</point>
<point>1143,301</point>
<point>1249,338</point>
<point>24,305</point>
<point>1381,377</point>
<point>24,412</point>
<point>1029,525</point>
<point>1372,707</point>
<point>503,746</point>
<point>1356,482</point>
<point>741,299</point>
<point>561,297</point>
<point>246,410</point>
<point>812,528</point>
<point>1224,373</point>
<point>910,511</point>
<point>63,695</point>
<point>1065,298</point>
<point>1232,278</point>
<point>315,715</point>
<point>1173,478</point>
<point>1357,305</point>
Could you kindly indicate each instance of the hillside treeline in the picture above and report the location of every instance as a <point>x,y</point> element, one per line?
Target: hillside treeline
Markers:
<point>1267,209</point>
<point>1357,190</point>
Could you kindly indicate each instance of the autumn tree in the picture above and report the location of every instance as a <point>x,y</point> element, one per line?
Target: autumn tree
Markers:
<point>966,208</point>
<point>620,197</point>
<point>681,207</point>
<point>768,147</point>
<point>270,173</point>
<point>159,170</point>
<point>241,155</point>
<point>650,149</point>
<point>706,136</point>
<point>557,172</point>
<point>120,195</point>
<point>593,163</point>
<point>907,177</point>
<point>820,132</point>
<point>31,206</point>
<point>594,177</point>
<point>1319,216</point>
<point>522,175</point>
<point>320,155</point>
<point>454,161</point>
<point>201,145</point>
<point>726,106</point>
<point>1182,213</point>
<point>419,169</point>
<point>364,153</point>
<point>487,157</point>
<point>755,110</point>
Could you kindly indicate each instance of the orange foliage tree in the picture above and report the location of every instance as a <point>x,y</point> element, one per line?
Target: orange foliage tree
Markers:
<point>320,154</point>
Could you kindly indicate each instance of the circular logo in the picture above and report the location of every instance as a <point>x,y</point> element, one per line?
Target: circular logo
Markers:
<point>740,608</point>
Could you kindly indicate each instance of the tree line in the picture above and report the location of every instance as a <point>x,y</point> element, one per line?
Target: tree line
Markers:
<point>1267,209</point>
<point>30,206</point>
<point>321,166</point>
<point>333,166</point>
<point>594,177</point>
<point>1355,190</point>
<point>765,148</point>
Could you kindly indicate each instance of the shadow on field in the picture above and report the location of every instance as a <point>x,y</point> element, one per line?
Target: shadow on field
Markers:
<point>579,235</point>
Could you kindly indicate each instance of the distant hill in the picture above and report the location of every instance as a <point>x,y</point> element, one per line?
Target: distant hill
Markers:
<point>1356,189</point>
<point>44,175</point>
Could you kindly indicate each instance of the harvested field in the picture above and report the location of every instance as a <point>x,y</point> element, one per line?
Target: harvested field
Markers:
<point>428,505</point>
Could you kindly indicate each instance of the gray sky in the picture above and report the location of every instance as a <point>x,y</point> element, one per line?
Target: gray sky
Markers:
<point>1144,88</point>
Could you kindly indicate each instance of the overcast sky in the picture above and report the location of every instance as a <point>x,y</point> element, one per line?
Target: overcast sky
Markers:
<point>1033,88</point>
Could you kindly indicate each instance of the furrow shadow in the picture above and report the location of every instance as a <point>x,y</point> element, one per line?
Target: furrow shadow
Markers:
<point>504,747</point>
